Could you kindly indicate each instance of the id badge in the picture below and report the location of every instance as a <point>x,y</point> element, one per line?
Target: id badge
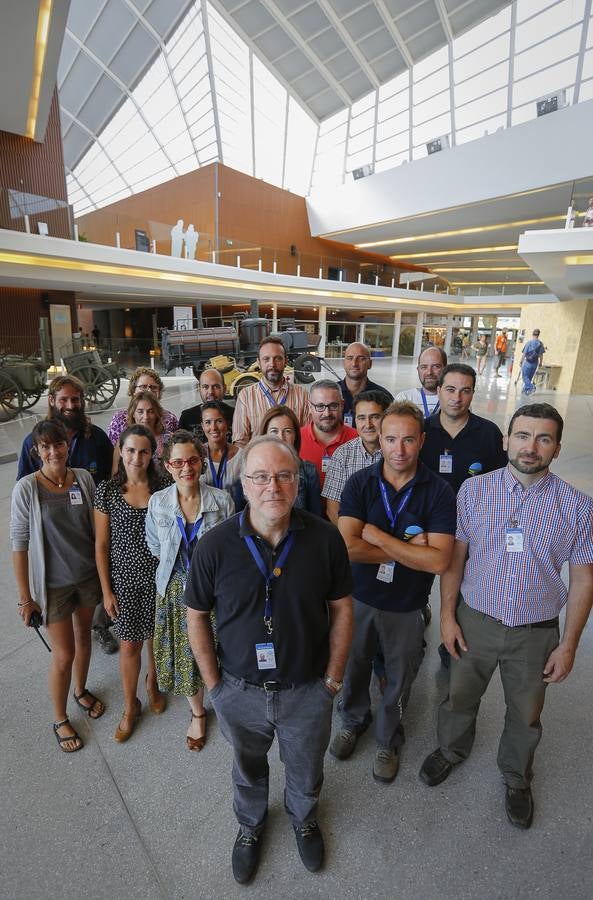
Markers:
<point>75,497</point>
<point>348,419</point>
<point>514,540</point>
<point>445,464</point>
<point>385,572</point>
<point>325,463</point>
<point>266,657</point>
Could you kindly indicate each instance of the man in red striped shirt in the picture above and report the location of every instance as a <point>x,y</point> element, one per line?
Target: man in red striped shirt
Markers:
<point>516,527</point>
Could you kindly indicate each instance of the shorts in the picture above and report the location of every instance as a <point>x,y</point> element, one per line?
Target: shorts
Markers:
<point>62,601</point>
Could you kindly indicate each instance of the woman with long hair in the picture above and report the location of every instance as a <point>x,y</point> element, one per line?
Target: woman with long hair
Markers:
<point>143,379</point>
<point>222,459</point>
<point>144,409</point>
<point>281,422</point>
<point>177,518</point>
<point>52,536</point>
<point>122,554</point>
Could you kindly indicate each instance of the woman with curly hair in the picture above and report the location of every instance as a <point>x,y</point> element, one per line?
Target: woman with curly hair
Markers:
<point>143,379</point>
<point>144,409</point>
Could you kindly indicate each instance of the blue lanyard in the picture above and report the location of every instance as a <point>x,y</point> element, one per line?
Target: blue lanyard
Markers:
<point>186,544</point>
<point>218,476</point>
<point>270,397</point>
<point>72,448</point>
<point>427,412</point>
<point>402,505</point>
<point>268,575</point>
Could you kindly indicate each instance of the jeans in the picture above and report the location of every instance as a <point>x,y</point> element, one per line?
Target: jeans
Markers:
<point>249,717</point>
<point>528,370</point>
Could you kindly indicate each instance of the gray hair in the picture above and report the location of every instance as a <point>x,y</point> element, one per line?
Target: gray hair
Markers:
<point>267,439</point>
<point>325,384</point>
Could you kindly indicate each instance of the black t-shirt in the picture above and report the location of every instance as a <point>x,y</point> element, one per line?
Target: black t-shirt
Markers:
<point>225,577</point>
<point>430,509</point>
<point>191,419</point>
<point>349,399</point>
<point>476,450</point>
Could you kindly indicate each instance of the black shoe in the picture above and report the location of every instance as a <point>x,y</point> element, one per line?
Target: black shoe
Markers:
<point>427,615</point>
<point>435,769</point>
<point>310,843</point>
<point>245,857</point>
<point>106,641</point>
<point>445,656</point>
<point>519,806</point>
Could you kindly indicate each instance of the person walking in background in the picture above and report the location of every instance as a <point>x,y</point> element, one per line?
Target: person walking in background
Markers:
<point>531,358</point>
<point>500,348</point>
<point>481,349</point>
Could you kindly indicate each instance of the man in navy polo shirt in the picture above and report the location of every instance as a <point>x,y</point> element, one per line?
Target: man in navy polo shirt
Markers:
<point>357,362</point>
<point>398,520</point>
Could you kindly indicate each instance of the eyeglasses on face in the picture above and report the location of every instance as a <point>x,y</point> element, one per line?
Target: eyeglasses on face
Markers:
<point>262,478</point>
<point>320,407</point>
<point>192,461</point>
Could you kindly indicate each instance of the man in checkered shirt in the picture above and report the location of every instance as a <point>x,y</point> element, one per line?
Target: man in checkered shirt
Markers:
<point>516,527</point>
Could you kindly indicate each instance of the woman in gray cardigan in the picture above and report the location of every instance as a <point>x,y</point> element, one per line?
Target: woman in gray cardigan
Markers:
<point>53,554</point>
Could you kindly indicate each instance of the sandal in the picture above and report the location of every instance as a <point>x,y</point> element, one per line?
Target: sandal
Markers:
<point>157,701</point>
<point>91,710</point>
<point>63,740</point>
<point>196,743</point>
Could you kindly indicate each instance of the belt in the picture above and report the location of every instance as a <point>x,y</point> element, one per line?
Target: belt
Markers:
<point>548,623</point>
<point>270,687</point>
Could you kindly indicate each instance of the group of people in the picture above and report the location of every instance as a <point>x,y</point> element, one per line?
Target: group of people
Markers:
<point>249,589</point>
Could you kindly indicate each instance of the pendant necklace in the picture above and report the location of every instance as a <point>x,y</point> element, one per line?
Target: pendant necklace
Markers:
<point>59,484</point>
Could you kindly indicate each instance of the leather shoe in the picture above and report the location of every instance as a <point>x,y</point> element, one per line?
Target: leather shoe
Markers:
<point>123,734</point>
<point>519,806</point>
<point>435,769</point>
<point>245,856</point>
<point>157,701</point>
<point>310,845</point>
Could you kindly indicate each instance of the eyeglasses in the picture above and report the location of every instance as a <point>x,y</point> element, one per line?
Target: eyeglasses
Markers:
<point>152,387</point>
<point>320,407</point>
<point>262,478</point>
<point>191,461</point>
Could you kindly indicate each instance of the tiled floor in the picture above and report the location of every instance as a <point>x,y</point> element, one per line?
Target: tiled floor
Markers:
<point>148,819</point>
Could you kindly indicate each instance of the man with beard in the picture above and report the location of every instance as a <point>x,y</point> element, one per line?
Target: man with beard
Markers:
<point>431,363</point>
<point>88,448</point>
<point>326,432</point>
<point>516,527</point>
<point>272,390</point>
<point>357,362</point>
<point>211,388</point>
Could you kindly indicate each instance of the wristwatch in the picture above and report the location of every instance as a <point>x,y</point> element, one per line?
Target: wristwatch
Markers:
<point>335,686</point>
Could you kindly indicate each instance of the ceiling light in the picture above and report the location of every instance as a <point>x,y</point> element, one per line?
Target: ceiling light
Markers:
<point>43,20</point>
<point>455,252</point>
<point>485,269</point>
<point>472,283</point>
<point>478,229</point>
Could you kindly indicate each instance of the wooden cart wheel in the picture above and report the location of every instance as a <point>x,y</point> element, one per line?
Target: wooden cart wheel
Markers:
<point>100,387</point>
<point>11,397</point>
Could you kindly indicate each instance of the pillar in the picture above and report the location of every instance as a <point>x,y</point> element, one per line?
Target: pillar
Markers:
<point>397,327</point>
<point>418,337</point>
<point>361,329</point>
<point>322,330</point>
<point>448,335</point>
<point>199,317</point>
<point>274,317</point>
<point>254,309</point>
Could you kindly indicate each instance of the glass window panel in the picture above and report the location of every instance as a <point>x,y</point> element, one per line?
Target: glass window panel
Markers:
<point>194,97</point>
<point>590,33</point>
<point>427,66</point>
<point>419,152</point>
<point>391,162</point>
<point>300,148</point>
<point>434,107</point>
<point>393,105</point>
<point>586,92</point>
<point>155,76</point>
<point>161,102</point>
<point>481,59</point>
<point>363,121</point>
<point>551,51</point>
<point>361,142</point>
<point>431,86</point>
<point>188,164</point>
<point>364,104</point>
<point>356,160</point>
<point>481,109</point>
<point>559,76</point>
<point>393,145</point>
<point>393,86</point>
<point>588,65</point>
<point>432,129</point>
<point>393,126</point>
<point>179,147</point>
<point>332,122</point>
<point>548,22</point>
<point>201,127</point>
<point>482,84</point>
<point>483,33</point>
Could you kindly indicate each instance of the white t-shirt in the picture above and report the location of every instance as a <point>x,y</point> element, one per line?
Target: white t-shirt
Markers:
<point>413,395</point>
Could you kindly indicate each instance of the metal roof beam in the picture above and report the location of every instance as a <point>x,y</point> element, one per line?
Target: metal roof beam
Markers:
<point>394,32</point>
<point>349,42</point>
<point>444,20</point>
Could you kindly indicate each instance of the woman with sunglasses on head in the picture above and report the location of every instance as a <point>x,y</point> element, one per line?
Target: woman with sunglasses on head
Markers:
<point>281,422</point>
<point>122,554</point>
<point>143,379</point>
<point>144,409</point>
<point>222,459</point>
<point>177,518</point>
<point>52,536</point>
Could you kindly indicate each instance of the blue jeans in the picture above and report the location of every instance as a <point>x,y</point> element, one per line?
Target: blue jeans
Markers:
<point>528,370</point>
<point>249,717</point>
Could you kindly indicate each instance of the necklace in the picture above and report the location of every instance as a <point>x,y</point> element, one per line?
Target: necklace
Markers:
<point>58,483</point>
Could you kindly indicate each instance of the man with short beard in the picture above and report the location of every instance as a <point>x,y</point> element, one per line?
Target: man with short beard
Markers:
<point>326,432</point>
<point>88,448</point>
<point>431,363</point>
<point>501,597</point>
<point>357,362</point>
<point>211,387</point>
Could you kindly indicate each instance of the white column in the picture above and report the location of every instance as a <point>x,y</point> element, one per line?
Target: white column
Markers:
<point>397,327</point>
<point>361,333</point>
<point>449,335</point>
<point>474,331</point>
<point>274,317</point>
<point>418,336</point>
<point>322,330</point>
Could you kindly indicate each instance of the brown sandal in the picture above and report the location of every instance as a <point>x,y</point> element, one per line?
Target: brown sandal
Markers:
<point>196,743</point>
<point>93,711</point>
<point>63,740</point>
<point>157,701</point>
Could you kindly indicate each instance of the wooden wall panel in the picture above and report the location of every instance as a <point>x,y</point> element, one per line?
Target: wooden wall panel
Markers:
<point>20,311</point>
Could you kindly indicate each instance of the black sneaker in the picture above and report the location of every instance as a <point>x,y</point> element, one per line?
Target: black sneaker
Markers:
<point>245,857</point>
<point>310,843</point>
<point>106,641</point>
<point>519,806</point>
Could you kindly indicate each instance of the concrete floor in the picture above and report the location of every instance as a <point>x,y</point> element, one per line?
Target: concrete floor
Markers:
<point>149,819</point>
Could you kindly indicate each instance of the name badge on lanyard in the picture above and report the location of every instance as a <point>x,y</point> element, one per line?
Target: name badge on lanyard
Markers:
<point>325,463</point>
<point>386,570</point>
<point>266,656</point>
<point>75,495</point>
<point>185,542</point>
<point>513,539</point>
<point>445,463</point>
<point>348,419</point>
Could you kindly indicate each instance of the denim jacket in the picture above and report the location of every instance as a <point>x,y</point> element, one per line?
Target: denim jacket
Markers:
<point>162,532</point>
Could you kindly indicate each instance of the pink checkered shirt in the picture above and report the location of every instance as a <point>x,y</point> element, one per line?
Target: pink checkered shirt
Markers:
<point>557,522</point>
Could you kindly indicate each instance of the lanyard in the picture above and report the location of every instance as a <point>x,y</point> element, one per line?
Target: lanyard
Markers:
<point>427,412</point>
<point>280,402</point>
<point>268,575</point>
<point>186,544</point>
<point>218,476</point>
<point>403,503</point>
<point>72,448</point>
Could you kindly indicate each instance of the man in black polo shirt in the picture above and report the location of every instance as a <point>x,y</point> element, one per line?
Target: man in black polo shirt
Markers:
<point>211,387</point>
<point>283,630</point>
<point>459,444</point>
<point>398,520</point>
<point>357,362</point>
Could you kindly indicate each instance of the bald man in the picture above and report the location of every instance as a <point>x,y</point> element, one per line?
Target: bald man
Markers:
<point>357,362</point>
<point>431,363</point>
<point>211,387</point>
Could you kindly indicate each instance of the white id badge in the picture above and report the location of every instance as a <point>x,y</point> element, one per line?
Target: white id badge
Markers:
<point>266,658</point>
<point>514,540</point>
<point>325,463</point>
<point>445,464</point>
<point>348,419</point>
<point>385,572</point>
<point>75,497</point>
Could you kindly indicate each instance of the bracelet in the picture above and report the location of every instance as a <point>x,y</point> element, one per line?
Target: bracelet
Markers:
<point>25,604</point>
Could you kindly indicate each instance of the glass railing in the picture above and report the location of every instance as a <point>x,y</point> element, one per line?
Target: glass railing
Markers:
<point>34,214</point>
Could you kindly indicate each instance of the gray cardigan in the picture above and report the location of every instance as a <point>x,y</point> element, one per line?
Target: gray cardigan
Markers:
<point>162,533</point>
<point>26,528</point>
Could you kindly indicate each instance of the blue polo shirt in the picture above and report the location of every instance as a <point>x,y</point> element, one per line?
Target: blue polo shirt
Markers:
<point>430,508</point>
<point>349,399</point>
<point>93,453</point>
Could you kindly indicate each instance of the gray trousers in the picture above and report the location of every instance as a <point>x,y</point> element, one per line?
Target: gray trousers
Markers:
<point>301,719</point>
<point>400,637</point>
<point>521,654</point>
